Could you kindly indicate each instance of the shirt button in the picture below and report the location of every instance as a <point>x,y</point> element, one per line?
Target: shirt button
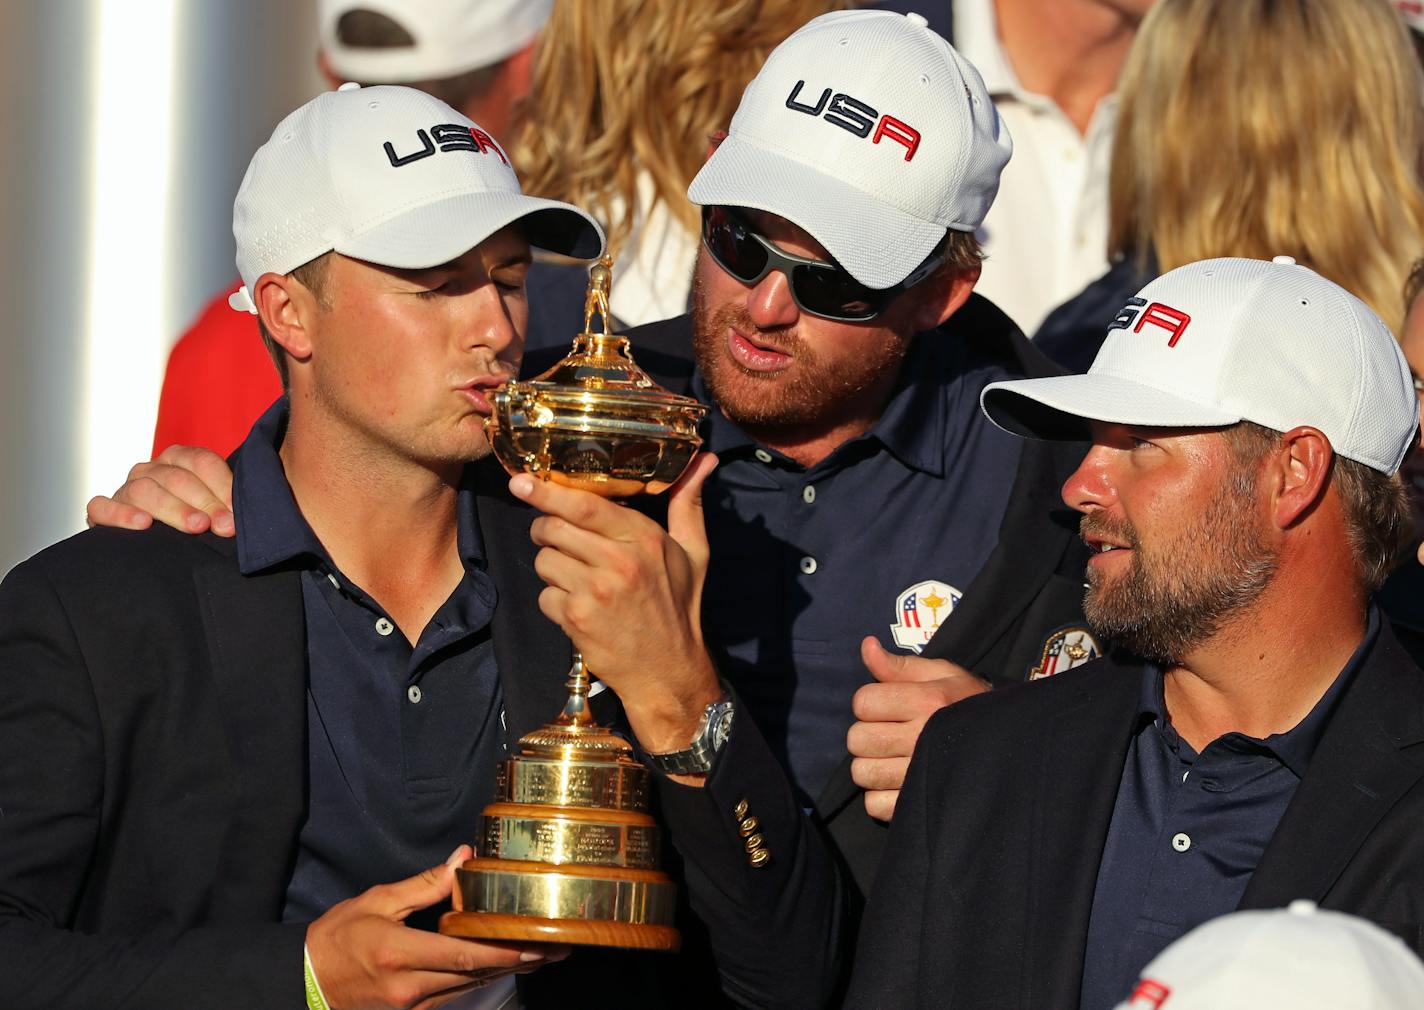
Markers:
<point>762,455</point>
<point>808,494</point>
<point>384,627</point>
<point>808,566</point>
<point>1181,841</point>
<point>413,693</point>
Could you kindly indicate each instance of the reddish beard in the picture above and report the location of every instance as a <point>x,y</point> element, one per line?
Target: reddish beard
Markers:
<point>813,391</point>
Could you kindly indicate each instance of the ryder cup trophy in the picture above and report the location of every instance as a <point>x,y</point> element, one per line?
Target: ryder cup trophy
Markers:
<point>568,852</point>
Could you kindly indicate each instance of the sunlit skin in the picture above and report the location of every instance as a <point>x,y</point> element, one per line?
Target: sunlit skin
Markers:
<point>750,358</point>
<point>389,389</point>
<point>1265,668</point>
<point>1069,50</point>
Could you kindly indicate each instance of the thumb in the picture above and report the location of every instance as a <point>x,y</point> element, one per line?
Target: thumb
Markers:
<point>396,901</point>
<point>883,664</point>
<point>686,524</point>
<point>896,667</point>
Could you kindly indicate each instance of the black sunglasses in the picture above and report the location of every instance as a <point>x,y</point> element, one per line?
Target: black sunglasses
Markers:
<point>821,287</point>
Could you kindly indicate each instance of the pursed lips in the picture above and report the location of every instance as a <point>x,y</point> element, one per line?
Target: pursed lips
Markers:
<point>755,353</point>
<point>477,389</point>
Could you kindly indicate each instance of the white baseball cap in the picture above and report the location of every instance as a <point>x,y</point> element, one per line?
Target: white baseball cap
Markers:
<point>1227,340</point>
<point>451,37</point>
<point>389,175</point>
<point>1300,958</point>
<point>867,130</point>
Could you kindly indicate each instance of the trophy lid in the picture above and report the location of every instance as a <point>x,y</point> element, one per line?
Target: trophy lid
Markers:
<point>601,362</point>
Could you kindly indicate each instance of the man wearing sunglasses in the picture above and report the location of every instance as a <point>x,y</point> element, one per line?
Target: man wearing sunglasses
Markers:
<point>863,510</point>
<point>865,517</point>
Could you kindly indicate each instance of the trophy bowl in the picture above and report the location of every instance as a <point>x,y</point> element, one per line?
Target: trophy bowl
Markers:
<point>596,421</point>
<point>567,851</point>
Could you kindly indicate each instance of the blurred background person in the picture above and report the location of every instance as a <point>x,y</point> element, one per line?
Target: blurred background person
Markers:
<point>1412,11</point>
<point>474,55</point>
<point>1257,128</point>
<point>1402,596</point>
<point>1051,67</point>
<point>624,98</point>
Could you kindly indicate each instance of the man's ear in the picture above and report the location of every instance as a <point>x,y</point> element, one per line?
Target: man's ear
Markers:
<point>1298,474</point>
<point>942,296</point>
<point>287,308</point>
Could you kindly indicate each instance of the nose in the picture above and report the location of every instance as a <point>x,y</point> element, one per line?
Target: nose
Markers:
<point>1089,487</point>
<point>493,321</point>
<point>770,304</point>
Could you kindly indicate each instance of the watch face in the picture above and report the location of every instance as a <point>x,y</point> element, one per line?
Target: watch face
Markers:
<point>721,727</point>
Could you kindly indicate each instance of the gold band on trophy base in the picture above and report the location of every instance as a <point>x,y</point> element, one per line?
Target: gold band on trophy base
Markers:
<point>568,904</point>
<point>568,853</point>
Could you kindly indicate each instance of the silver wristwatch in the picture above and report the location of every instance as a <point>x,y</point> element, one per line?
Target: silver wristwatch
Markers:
<point>696,758</point>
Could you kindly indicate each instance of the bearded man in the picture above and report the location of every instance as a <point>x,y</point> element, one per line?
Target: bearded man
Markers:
<point>1241,503</point>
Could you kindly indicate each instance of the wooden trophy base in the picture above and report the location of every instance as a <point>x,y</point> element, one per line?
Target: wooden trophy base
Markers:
<point>601,906</point>
<point>584,932</point>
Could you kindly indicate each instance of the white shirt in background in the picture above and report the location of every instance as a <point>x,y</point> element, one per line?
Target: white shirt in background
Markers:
<point>653,273</point>
<point>1046,234</point>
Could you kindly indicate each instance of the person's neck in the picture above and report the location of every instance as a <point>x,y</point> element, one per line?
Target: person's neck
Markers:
<point>389,524</point>
<point>811,442</point>
<point>1069,51</point>
<point>1265,670</point>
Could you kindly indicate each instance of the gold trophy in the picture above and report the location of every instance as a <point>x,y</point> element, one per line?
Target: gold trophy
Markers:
<point>568,852</point>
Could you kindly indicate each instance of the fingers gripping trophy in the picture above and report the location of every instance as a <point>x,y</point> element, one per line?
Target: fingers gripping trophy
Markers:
<point>568,851</point>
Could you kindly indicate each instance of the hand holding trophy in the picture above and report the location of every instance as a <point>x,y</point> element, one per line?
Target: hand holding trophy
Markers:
<point>568,852</point>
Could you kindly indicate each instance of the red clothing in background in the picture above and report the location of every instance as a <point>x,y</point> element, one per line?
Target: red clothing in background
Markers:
<point>218,382</point>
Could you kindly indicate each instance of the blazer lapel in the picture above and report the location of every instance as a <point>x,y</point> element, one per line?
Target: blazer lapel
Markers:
<point>531,651</point>
<point>255,630</point>
<point>1037,527</point>
<point>1078,781</point>
<point>1363,765</point>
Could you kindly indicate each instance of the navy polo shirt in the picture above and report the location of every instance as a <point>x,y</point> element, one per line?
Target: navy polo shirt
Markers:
<point>880,538</point>
<point>1189,829</point>
<point>401,741</point>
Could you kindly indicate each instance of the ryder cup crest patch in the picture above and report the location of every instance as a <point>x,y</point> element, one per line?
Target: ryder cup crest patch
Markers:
<point>1064,649</point>
<point>920,610</point>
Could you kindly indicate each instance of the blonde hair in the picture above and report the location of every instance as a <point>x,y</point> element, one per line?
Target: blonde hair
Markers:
<point>627,85</point>
<point>1265,127</point>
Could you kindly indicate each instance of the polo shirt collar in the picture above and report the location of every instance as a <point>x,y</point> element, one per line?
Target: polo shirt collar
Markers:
<point>912,426</point>
<point>271,529</point>
<point>1296,746</point>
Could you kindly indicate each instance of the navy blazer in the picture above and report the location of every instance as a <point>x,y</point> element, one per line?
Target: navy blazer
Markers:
<point>153,754</point>
<point>985,891</point>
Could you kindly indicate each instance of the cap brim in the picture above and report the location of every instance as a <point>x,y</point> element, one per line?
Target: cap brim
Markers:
<point>441,231</point>
<point>879,244</point>
<point>1061,407</point>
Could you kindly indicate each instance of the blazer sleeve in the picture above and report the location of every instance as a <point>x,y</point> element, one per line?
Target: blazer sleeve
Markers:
<point>777,930</point>
<point>52,798</point>
<point>889,950</point>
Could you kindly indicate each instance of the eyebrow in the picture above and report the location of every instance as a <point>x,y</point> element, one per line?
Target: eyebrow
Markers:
<point>526,256</point>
